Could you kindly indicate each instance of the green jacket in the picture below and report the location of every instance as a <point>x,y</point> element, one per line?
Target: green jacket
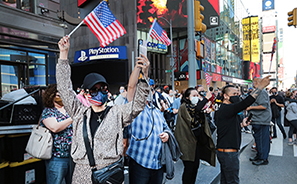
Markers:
<point>188,142</point>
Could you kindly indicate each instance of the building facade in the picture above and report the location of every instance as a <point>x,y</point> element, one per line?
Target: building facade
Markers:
<point>29,32</point>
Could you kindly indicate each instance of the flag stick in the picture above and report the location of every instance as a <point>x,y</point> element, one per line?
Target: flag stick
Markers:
<point>76,28</point>
<point>270,66</point>
<point>150,31</point>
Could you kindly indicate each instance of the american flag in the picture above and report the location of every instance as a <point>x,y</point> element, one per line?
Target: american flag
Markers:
<point>159,34</point>
<point>104,25</point>
<point>207,77</point>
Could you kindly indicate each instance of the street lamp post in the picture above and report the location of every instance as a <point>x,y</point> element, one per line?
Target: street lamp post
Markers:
<point>171,57</point>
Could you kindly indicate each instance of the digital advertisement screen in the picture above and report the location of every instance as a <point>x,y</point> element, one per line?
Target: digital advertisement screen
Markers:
<point>176,10</point>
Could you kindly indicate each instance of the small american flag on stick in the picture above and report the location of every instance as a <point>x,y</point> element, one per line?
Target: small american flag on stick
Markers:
<point>156,32</point>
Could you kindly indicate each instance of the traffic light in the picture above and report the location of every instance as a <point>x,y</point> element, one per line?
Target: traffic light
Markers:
<point>292,17</point>
<point>199,26</point>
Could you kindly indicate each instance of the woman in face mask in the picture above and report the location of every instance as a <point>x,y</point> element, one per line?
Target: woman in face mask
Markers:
<point>104,124</point>
<point>58,121</point>
<point>193,134</point>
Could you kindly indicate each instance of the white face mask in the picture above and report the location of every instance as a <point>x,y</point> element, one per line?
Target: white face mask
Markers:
<point>194,100</point>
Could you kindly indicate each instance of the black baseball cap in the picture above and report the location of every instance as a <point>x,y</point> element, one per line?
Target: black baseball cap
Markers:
<point>93,78</point>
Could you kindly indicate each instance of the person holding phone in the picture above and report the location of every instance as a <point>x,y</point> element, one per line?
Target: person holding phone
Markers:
<point>261,123</point>
<point>229,129</point>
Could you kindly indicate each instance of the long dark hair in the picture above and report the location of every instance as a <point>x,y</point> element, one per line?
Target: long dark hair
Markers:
<point>187,94</point>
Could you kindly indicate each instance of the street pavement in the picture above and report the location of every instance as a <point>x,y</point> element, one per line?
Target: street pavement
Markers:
<point>281,168</point>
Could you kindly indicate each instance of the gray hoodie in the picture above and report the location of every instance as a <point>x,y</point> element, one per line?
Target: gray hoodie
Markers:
<point>291,111</point>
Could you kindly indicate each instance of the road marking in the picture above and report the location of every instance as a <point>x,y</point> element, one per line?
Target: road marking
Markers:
<point>295,150</point>
<point>276,147</point>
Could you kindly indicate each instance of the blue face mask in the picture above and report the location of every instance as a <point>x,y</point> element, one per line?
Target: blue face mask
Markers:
<point>121,91</point>
<point>98,99</point>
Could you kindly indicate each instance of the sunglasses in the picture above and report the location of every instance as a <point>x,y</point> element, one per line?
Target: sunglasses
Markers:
<point>94,91</point>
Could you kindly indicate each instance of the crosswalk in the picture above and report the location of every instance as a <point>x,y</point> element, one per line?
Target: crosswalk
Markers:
<point>277,145</point>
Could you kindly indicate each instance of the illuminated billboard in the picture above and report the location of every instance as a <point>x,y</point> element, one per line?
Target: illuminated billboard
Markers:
<point>255,40</point>
<point>176,10</point>
<point>246,39</point>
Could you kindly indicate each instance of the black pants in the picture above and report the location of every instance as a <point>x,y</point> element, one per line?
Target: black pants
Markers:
<point>191,169</point>
<point>141,175</point>
<point>279,124</point>
<point>293,126</point>
<point>229,167</point>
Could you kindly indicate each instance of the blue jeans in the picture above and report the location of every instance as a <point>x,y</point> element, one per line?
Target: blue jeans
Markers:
<point>141,175</point>
<point>57,169</point>
<point>262,139</point>
<point>279,124</point>
<point>229,162</point>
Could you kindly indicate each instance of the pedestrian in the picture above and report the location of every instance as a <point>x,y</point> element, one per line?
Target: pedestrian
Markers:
<point>146,134</point>
<point>158,98</point>
<point>55,118</point>
<point>229,129</point>
<point>105,134</point>
<point>176,105</point>
<point>191,118</point>
<point>291,115</point>
<point>277,102</point>
<point>83,97</point>
<point>261,124</point>
<point>121,98</point>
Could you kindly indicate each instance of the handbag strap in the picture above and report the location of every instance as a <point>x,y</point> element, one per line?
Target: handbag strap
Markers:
<point>87,143</point>
<point>86,139</point>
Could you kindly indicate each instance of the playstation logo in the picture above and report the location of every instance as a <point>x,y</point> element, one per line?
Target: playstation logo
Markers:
<point>83,56</point>
<point>214,21</point>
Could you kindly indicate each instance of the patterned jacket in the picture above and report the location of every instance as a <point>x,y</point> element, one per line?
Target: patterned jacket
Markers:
<point>108,139</point>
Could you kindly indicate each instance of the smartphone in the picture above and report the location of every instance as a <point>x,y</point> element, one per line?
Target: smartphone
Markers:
<point>143,49</point>
<point>250,117</point>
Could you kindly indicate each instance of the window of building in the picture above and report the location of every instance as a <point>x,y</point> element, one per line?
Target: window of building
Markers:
<point>26,5</point>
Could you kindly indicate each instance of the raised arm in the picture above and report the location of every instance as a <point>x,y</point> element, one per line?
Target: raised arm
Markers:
<point>64,85</point>
<point>142,64</point>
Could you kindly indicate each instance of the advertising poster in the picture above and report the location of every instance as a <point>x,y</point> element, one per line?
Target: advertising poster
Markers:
<point>213,52</point>
<point>183,50</point>
<point>255,40</point>
<point>246,39</point>
<point>207,46</point>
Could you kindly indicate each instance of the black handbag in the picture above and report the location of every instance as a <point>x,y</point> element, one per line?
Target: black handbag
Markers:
<point>113,173</point>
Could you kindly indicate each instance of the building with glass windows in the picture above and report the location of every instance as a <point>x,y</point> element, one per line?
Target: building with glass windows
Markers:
<point>29,33</point>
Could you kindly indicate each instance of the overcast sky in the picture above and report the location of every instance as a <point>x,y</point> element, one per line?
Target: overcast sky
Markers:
<point>282,7</point>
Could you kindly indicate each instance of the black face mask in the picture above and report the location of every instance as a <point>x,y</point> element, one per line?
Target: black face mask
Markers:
<point>234,99</point>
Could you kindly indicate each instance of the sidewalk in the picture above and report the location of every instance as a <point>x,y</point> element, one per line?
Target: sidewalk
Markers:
<point>206,174</point>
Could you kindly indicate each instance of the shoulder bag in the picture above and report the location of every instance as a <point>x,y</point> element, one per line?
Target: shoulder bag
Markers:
<point>113,173</point>
<point>40,143</point>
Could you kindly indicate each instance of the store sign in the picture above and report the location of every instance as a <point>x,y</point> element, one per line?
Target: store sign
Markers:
<point>111,52</point>
<point>227,79</point>
<point>156,45</point>
<point>268,29</point>
<point>267,5</point>
<point>216,77</point>
<point>240,81</point>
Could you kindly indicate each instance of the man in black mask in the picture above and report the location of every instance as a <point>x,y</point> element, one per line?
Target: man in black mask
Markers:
<point>229,129</point>
<point>277,102</point>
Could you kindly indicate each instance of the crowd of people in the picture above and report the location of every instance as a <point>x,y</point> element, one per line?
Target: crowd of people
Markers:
<point>152,126</point>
